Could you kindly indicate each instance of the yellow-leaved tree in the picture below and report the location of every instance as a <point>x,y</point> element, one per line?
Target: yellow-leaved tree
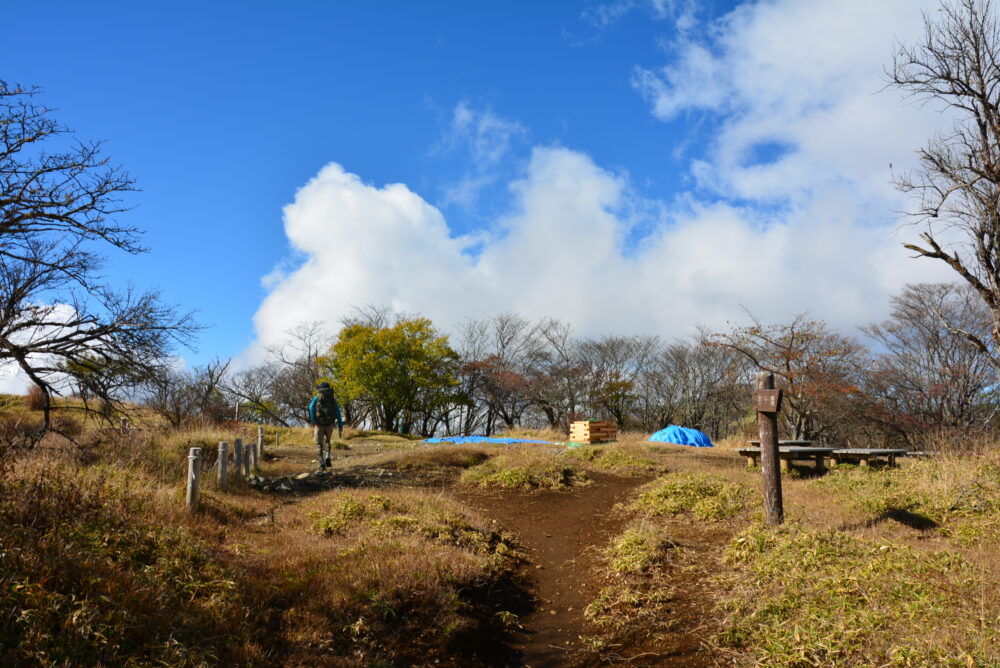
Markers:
<point>403,376</point>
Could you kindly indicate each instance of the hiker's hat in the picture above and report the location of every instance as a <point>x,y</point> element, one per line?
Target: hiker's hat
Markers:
<point>323,386</point>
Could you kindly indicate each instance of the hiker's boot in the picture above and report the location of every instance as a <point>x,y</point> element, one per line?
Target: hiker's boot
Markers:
<point>327,463</point>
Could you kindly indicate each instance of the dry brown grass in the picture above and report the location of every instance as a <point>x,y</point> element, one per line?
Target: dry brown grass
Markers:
<point>251,578</point>
<point>875,566</point>
<point>400,576</point>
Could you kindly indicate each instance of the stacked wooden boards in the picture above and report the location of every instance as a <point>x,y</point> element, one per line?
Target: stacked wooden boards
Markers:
<point>591,431</point>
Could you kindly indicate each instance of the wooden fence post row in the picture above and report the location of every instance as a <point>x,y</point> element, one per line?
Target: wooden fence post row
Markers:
<point>246,459</point>
<point>194,479</point>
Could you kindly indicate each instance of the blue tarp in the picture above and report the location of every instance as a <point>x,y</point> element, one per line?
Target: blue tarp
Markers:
<point>481,439</point>
<point>681,436</point>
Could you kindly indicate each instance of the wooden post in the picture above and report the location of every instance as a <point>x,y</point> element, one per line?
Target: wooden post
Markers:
<point>260,444</point>
<point>767,420</point>
<point>194,479</point>
<point>277,439</point>
<point>244,458</point>
<point>247,450</point>
<point>124,424</point>
<point>223,464</point>
<point>237,456</point>
<point>252,449</point>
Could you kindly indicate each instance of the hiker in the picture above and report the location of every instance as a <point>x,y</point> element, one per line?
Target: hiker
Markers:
<point>324,411</point>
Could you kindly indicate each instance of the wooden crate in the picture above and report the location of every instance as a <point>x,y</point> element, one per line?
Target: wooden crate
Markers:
<point>589,431</point>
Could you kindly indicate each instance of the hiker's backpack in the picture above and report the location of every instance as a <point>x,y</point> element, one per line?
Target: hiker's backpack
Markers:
<point>326,407</point>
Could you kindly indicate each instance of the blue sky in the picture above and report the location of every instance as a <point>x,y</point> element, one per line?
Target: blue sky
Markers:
<point>484,112</point>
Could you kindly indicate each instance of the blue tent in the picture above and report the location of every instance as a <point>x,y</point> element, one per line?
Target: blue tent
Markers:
<point>681,436</point>
<point>481,439</point>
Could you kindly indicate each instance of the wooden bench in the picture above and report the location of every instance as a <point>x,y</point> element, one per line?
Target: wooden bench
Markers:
<point>864,456</point>
<point>793,444</point>
<point>789,453</point>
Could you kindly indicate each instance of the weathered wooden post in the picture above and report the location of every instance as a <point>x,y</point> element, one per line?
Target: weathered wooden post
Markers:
<point>194,479</point>
<point>260,444</point>
<point>124,424</point>
<point>242,457</point>
<point>247,452</point>
<point>767,403</point>
<point>237,456</point>
<point>222,464</point>
<point>252,450</point>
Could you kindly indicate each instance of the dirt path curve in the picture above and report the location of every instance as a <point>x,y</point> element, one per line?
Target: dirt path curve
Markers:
<point>562,531</point>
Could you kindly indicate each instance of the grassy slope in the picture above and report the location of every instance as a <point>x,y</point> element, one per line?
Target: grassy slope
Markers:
<point>874,566</point>
<point>98,564</point>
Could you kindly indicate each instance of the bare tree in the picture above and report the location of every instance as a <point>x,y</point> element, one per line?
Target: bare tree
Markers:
<point>181,396</point>
<point>928,378</point>
<point>700,385</point>
<point>557,374</point>
<point>956,187</point>
<point>817,368</point>
<point>299,363</point>
<point>58,201</point>
<point>616,364</point>
<point>256,390</point>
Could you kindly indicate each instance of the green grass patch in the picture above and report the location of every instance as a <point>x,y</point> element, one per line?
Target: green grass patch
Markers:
<point>614,459</point>
<point>634,601</point>
<point>708,497</point>
<point>638,549</point>
<point>803,597</point>
<point>527,468</point>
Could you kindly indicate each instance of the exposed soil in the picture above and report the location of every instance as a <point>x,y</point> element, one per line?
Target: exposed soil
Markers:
<point>563,531</point>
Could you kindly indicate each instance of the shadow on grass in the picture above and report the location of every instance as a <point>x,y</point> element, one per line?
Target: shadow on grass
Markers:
<point>903,516</point>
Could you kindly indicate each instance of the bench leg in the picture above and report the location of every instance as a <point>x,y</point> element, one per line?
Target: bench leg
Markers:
<point>751,460</point>
<point>864,461</point>
<point>892,460</point>
<point>820,462</point>
<point>785,464</point>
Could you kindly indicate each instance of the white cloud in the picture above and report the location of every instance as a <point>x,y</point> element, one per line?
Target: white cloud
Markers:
<point>13,380</point>
<point>811,228</point>
<point>604,15</point>
<point>486,138</point>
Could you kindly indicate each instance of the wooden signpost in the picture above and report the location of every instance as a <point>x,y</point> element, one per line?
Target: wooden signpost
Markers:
<point>767,403</point>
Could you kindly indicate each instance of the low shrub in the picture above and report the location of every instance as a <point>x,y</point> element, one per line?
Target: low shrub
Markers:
<point>35,401</point>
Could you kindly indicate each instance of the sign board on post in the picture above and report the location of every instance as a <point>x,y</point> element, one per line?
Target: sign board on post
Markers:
<point>767,401</point>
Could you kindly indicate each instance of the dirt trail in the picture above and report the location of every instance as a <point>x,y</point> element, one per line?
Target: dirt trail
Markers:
<point>562,531</point>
